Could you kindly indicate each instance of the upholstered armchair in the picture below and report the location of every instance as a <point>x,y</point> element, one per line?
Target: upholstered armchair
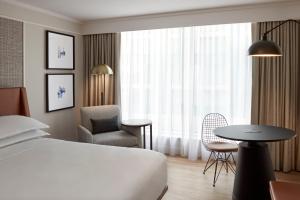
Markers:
<point>124,136</point>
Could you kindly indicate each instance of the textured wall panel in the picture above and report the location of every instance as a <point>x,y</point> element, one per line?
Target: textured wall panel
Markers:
<point>11,53</point>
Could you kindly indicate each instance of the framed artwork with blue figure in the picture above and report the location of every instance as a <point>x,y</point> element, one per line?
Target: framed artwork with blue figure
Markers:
<point>60,50</point>
<point>60,92</point>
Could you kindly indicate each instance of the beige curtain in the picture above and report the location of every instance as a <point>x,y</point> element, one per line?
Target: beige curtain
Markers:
<point>101,49</point>
<point>275,91</point>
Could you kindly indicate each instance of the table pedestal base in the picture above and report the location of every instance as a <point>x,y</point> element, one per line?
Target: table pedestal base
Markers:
<point>254,171</point>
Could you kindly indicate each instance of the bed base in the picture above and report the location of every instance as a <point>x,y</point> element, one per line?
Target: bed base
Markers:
<point>163,193</point>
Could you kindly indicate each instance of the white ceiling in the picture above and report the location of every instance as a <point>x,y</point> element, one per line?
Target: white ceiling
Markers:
<point>84,10</point>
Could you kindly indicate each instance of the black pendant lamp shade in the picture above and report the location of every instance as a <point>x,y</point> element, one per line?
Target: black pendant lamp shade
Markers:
<point>265,47</point>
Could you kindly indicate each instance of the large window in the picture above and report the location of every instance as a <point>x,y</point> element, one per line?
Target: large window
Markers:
<point>176,76</point>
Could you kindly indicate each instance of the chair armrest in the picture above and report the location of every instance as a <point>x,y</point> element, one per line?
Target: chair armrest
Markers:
<point>84,135</point>
<point>136,131</point>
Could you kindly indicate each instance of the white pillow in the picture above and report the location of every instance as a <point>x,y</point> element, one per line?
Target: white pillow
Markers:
<point>22,137</point>
<point>15,124</point>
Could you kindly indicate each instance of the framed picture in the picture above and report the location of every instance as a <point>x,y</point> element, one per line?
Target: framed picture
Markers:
<point>60,92</point>
<point>60,51</point>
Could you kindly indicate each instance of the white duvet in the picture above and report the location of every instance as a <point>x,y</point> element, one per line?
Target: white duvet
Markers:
<point>50,169</point>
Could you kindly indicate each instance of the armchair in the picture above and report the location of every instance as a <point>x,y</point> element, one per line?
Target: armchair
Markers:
<point>125,136</point>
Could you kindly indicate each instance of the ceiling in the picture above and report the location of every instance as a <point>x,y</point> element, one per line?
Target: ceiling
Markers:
<point>85,10</point>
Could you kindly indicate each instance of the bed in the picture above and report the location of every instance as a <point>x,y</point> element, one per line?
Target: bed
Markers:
<point>51,169</point>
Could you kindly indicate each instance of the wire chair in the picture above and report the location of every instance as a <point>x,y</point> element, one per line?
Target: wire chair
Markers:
<point>221,150</point>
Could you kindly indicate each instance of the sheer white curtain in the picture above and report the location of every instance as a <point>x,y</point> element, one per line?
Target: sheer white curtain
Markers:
<point>176,76</point>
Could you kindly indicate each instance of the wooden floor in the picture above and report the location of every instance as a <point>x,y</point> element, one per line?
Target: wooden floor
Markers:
<point>187,182</point>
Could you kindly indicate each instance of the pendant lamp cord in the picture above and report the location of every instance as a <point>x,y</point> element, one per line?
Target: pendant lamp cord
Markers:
<point>289,20</point>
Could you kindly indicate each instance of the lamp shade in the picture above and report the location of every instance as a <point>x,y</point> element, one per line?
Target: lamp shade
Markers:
<point>264,48</point>
<point>101,69</point>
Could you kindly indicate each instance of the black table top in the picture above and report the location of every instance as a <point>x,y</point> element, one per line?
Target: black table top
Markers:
<point>254,133</point>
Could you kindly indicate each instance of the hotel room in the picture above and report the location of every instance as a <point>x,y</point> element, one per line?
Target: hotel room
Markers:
<point>149,100</point>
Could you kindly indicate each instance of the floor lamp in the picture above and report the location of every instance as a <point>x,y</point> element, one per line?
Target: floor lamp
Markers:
<point>102,70</point>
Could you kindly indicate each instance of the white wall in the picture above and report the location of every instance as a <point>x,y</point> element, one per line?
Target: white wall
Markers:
<point>63,124</point>
<point>238,14</point>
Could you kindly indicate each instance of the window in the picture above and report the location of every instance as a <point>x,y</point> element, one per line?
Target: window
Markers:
<point>176,76</point>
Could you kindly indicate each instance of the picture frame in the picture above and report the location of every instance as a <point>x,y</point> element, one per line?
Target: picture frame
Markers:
<point>60,51</point>
<point>60,91</point>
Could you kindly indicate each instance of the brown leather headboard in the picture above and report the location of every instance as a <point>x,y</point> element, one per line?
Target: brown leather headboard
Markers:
<point>13,101</point>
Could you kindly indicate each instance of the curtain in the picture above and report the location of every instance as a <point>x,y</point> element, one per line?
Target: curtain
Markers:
<point>176,76</point>
<point>275,95</point>
<point>101,49</point>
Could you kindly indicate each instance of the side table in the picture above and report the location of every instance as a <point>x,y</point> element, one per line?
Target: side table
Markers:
<point>142,123</point>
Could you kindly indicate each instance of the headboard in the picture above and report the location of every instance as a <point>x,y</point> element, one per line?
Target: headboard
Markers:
<point>13,101</point>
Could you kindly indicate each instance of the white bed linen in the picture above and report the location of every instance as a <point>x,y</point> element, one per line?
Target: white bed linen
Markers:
<point>16,124</point>
<point>21,137</point>
<point>50,169</point>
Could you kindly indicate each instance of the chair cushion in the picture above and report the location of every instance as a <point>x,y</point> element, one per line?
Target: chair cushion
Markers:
<point>105,125</point>
<point>222,146</point>
<point>98,112</point>
<point>116,138</point>
<point>284,190</point>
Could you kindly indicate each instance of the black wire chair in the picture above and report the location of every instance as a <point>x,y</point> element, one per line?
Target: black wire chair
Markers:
<point>221,150</point>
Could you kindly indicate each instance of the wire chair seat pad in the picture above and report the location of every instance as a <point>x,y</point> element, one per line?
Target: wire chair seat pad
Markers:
<point>221,146</point>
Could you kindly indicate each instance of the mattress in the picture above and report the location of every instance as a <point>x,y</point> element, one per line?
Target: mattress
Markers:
<point>50,169</point>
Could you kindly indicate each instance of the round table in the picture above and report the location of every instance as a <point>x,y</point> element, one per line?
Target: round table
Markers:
<point>142,123</point>
<point>254,167</point>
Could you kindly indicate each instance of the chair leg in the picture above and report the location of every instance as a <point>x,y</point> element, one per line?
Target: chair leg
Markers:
<point>225,159</point>
<point>233,159</point>
<point>216,167</point>
<point>206,168</point>
<point>220,169</point>
<point>229,165</point>
<point>226,163</point>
